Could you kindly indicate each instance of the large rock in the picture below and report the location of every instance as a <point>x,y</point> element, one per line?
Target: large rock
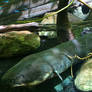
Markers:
<point>53,19</point>
<point>83,80</point>
<point>18,43</point>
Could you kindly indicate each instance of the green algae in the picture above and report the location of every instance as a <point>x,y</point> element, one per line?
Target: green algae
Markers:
<point>14,44</point>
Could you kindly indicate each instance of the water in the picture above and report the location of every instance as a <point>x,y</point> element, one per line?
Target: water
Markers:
<point>47,86</point>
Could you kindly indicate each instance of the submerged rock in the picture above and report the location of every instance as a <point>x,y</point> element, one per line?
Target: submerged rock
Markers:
<point>67,85</point>
<point>18,43</point>
<point>83,80</point>
<point>86,30</point>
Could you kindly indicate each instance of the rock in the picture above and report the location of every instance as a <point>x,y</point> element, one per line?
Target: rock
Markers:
<point>53,19</point>
<point>86,30</point>
<point>49,20</point>
<point>18,43</point>
<point>80,10</point>
<point>67,85</point>
<point>83,80</point>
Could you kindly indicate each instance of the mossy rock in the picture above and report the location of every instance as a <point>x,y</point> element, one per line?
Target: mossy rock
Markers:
<point>83,80</point>
<point>18,43</point>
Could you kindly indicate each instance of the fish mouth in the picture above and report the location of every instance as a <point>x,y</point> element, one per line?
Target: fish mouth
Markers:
<point>14,81</point>
<point>27,75</point>
<point>13,84</point>
<point>19,82</point>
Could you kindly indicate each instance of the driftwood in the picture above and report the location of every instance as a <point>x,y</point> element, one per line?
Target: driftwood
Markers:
<point>35,69</point>
<point>28,3</point>
<point>35,9</point>
<point>33,27</point>
<point>14,27</point>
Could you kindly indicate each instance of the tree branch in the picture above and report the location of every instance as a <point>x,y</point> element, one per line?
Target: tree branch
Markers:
<point>14,27</point>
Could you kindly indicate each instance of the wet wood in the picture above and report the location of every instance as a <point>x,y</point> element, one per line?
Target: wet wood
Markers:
<point>32,11</point>
<point>33,27</point>
<point>13,27</point>
<point>64,32</point>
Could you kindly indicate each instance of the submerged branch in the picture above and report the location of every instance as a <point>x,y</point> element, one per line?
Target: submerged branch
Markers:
<point>7,28</point>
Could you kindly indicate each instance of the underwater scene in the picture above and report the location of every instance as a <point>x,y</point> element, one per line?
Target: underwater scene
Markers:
<point>45,45</point>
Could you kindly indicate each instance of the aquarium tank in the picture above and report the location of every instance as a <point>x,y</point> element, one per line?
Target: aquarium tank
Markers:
<point>45,45</point>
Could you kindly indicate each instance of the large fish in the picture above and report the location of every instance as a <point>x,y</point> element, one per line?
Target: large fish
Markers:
<point>36,68</point>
